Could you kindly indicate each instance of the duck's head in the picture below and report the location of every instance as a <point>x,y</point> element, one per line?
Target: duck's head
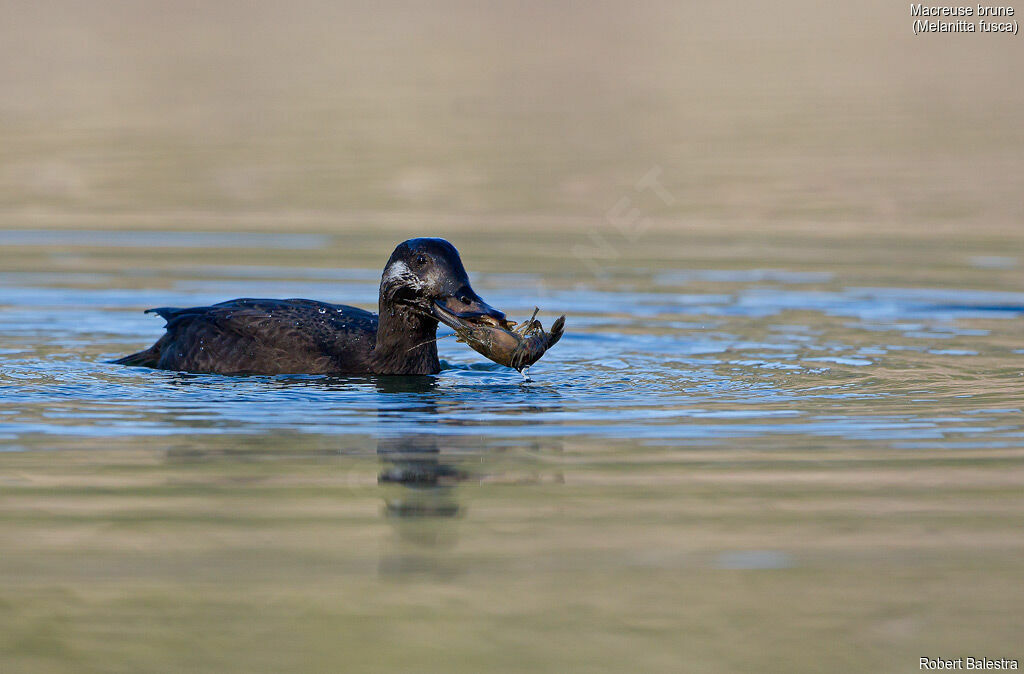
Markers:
<point>427,276</point>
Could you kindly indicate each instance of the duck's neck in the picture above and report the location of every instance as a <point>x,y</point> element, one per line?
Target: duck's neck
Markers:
<point>405,342</point>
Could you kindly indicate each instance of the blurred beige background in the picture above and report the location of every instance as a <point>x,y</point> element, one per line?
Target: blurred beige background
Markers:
<point>339,116</point>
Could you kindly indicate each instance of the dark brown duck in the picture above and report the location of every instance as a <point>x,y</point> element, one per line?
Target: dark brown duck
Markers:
<point>423,282</point>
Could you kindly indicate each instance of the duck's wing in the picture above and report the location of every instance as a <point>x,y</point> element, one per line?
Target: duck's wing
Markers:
<point>261,336</point>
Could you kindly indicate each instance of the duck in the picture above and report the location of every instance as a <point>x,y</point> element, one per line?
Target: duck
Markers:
<point>423,283</point>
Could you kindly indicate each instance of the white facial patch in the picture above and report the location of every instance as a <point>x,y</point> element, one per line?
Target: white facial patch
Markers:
<point>398,273</point>
<point>395,271</point>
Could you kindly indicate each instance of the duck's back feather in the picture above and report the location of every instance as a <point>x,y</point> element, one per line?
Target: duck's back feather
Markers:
<point>263,336</point>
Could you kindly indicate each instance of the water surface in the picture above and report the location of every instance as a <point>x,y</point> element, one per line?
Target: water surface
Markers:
<point>700,440</point>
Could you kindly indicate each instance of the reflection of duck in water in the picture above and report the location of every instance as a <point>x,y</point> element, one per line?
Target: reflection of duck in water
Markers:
<point>416,462</point>
<point>423,282</point>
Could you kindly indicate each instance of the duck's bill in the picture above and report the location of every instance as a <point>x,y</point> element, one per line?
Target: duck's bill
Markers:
<point>493,337</point>
<point>467,310</point>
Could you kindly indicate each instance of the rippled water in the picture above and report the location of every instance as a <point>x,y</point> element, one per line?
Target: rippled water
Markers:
<point>681,356</point>
<point>727,462</point>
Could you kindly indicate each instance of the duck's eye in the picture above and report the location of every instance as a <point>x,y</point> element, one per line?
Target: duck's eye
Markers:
<point>421,260</point>
<point>464,299</point>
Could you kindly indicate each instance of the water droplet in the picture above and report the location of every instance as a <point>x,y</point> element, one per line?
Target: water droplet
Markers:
<point>322,310</point>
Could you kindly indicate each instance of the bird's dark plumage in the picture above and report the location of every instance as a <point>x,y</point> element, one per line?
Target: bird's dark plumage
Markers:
<point>268,336</point>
